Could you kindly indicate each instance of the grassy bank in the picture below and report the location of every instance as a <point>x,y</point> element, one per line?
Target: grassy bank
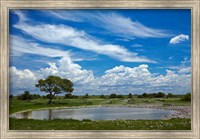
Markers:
<point>17,105</point>
<point>58,124</point>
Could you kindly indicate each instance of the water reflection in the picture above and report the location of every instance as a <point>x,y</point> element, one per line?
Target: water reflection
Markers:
<point>96,113</point>
<point>26,114</point>
<point>50,115</point>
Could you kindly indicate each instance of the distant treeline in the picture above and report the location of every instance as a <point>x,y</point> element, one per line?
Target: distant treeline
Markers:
<point>27,96</point>
<point>156,95</point>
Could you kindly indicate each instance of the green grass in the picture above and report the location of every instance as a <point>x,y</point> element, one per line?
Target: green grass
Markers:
<point>59,124</point>
<point>20,105</point>
<point>64,124</point>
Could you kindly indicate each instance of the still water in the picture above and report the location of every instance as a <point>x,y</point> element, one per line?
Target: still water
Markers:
<point>96,113</point>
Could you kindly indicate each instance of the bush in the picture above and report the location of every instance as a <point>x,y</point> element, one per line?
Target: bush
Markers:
<point>102,96</point>
<point>145,95</point>
<point>36,96</point>
<point>130,95</point>
<point>11,96</point>
<point>170,95</point>
<point>113,96</point>
<point>70,96</point>
<point>154,95</point>
<point>86,96</point>
<point>186,97</point>
<point>160,95</point>
<point>25,96</point>
<point>120,96</point>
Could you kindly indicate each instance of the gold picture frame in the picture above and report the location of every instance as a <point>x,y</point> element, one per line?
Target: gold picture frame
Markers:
<point>6,5</point>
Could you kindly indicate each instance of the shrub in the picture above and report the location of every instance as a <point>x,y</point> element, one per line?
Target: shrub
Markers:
<point>11,96</point>
<point>86,96</point>
<point>25,96</point>
<point>145,95</point>
<point>160,95</point>
<point>186,97</point>
<point>154,95</point>
<point>170,95</point>
<point>113,96</point>
<point>102,96</point>
<point>36,96</point>
<point>130,95</point>
<point>120,96</point>
<point>70,96</point>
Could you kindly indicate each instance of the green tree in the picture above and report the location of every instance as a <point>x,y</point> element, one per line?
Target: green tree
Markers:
<point>130,95</point>
<point>25,96</point>
<point>144,95</point>
<point>160,95</point>
<point>54,85</point>
<point>113,95</point>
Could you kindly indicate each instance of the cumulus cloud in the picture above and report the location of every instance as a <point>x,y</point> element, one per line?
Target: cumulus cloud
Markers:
<point>119,79</point>
<point>65,68</point>
<point>21,80</point>
<point>140,79</point>
<point>178,39</point>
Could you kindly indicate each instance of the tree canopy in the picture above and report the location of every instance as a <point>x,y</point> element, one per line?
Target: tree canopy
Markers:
<point>54,85</point>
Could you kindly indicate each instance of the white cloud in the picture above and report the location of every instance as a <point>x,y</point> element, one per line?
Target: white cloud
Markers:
<point>140,79</point>
<point>178,39</point>
<point>76,38</point>
<point>65,15</point>
<point>184,67</point>
<point>185,70</point>
<point>136,45</point>
<point>113,22</point>
<point>121,25</point>
<point>171,57</point>
<point>21,46</point>
<point>66,68</point>
<point>21,16</point>
<point>119,79</point>
<point>21,80</point>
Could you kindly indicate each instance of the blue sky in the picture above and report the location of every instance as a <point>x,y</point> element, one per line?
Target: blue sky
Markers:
<point>102,51</point>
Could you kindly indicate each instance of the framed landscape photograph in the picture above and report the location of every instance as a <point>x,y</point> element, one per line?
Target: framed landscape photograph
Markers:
<point>100,69</point>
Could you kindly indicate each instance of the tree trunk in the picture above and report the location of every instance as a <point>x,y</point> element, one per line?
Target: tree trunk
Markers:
<point>51,98</point>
